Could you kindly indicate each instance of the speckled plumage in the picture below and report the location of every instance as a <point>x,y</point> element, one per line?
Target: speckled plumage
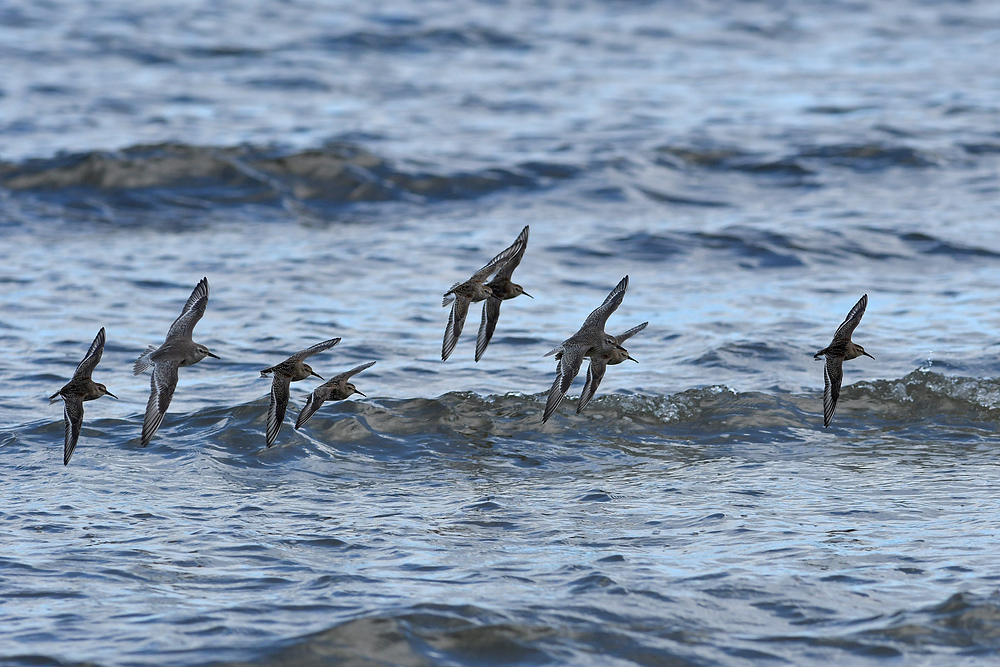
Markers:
<point>81,388</point>
<point>178,349</point>
<point>471,291</point>
<point>837,352</point>
<point>290,370</point>
<point>590,341</point>
<point>335,389</point>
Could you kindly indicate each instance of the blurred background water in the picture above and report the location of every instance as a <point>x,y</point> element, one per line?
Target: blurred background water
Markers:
<point>333,167</point>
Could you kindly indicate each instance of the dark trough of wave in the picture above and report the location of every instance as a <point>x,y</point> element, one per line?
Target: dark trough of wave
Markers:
<point>176,175</point>
<point>445,427</point>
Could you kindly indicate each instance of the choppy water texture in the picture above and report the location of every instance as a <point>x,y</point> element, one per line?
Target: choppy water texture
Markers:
<point>333,167</point>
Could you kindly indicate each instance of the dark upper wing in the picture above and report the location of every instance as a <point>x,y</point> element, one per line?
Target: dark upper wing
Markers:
<point>833,375</point>
<point>318,347</point>
<point>600,316</point>
<point>456,322</point>
<point>595,373</point>
<point>73,415</point>
<point>852,321</point>
<point>183,326</point>
<point>491,313</point>
<point>556,394</point>
<point>347,375</point>
<point>279,401</point>
<point>621,338</point>
<point>517,247</point>
<point>93,357</point>
<point>161,389</point>
<point>313,403</point>
<point>520,243</point>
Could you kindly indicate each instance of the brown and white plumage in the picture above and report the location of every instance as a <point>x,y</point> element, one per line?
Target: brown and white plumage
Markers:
<point>335,389</point>
<point>81,388</point>
<point>178,349</point>
<point>290,370</point>
<point>473,290</point>
<point>501,288</point>
<point>590,341</point>
<point>837,352</point>
<point>599,363</point>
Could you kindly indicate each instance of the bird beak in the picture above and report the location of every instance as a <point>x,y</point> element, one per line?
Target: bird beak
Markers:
<point>635,360</point>
<point>108,393</point>
<point>214,356</point>
<point>317,375</point>
<point>358,392</point>
<point>868,355</point>
<point>527,295</point>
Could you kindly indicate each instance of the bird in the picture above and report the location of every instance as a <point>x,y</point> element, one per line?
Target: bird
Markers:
<point>837,352</point>
<point>290,370</point>
<point>590,341</point>
<point>472,290</point>
<point>81,388</point>
<point>335,389</point>
<point>177,350</point>
<point>599,363</point>
<point>501,288</point>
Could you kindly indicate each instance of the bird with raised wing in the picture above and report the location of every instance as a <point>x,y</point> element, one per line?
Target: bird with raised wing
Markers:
<point>590,341</point>
<point>335,389</point>
<point>501,288</point>
<point>81,388</point>
<point>178,349</point>
<point>290,370</point>
<point>836,353</point>
<point>473,290</point>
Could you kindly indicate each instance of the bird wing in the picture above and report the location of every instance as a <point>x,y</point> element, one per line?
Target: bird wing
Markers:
<point>161,389</point>
<point>313,403</point>
<point>833,376</point>
<point>520,243</point>
<point>347,375</point>
<point>599,317</point>
<point>456,321</point>
<point>73,415</point>
<point>621,338</point>
<point>595,373</point>
<point>279,401</point>
<point>491,313</point>
<point>566,370</point>
<point>318,347</point>
<point>92,358</point>
<point>852,321</point>
<point>503,257</point>
<point>183,326</point>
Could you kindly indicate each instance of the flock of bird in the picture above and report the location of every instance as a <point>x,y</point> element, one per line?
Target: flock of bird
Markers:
<point>590,342</point>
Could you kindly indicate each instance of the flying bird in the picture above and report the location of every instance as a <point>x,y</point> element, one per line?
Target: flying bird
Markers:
<point>501,289</point>
<point>81,388</point>
<point>290,370</point>
<point>473,290</point>
<point>837,352</point>
<point>177,350</point>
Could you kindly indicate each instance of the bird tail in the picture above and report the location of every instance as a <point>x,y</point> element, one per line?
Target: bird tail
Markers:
<point>144,361</point>
<point>53,398</point>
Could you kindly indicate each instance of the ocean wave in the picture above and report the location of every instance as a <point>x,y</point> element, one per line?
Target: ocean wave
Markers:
<point>448,424</point>
<point>337,174</point>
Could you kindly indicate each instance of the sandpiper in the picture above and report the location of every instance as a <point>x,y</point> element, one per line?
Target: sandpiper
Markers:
<point>839,351</point>
<point>501,288</point>
<point>472,290</point>
<point>177,350</point>
<point>590,341</point>
<point>600,362</point>
<point>81,388</point>
<point>335,389</point>
<point>290,370</point>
